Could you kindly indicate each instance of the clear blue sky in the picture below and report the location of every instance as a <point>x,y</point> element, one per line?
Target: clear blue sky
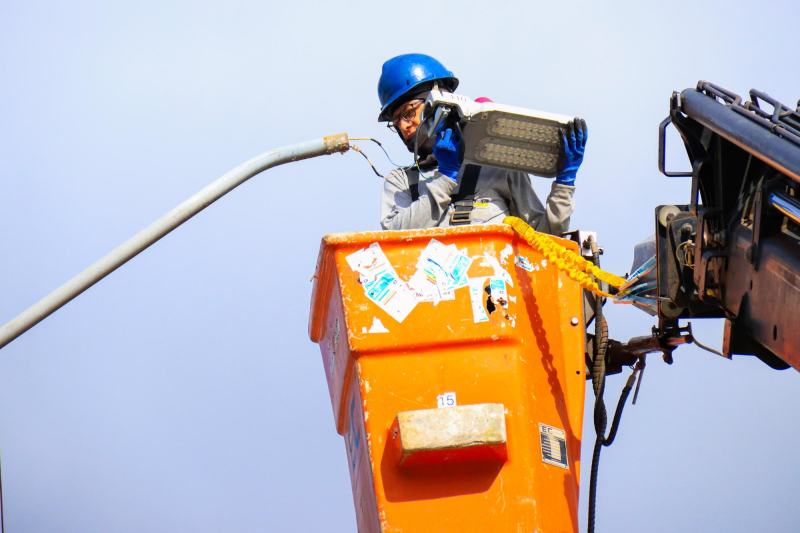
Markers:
<point>182,393</point>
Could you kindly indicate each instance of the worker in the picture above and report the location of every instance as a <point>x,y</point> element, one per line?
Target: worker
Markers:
<point>436,190</point>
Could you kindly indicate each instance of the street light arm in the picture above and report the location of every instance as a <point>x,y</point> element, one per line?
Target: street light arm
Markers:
<point>164,225</point>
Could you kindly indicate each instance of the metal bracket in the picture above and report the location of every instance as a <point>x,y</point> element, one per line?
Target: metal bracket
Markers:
<point>662,142</point>
<point>582,238</point>
<point>462,213</point>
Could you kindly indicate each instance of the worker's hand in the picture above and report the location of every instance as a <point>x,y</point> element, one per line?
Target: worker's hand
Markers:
<point>446,149</point>
<point>574,138</point>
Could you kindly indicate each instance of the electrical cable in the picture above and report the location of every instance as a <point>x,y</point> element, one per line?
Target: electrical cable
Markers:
<point>421,173</point>
<point>360,151</point>
<point>637,290</point>
<point>704,347</point>
<point>598,385</point>
<point>381,147</point>
<point>416,154</point>
<point>642,271</point>
<point>685,247</point>
<point>357,149</point>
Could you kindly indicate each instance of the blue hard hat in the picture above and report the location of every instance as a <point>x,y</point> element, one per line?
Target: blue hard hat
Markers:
<point>410,73</point>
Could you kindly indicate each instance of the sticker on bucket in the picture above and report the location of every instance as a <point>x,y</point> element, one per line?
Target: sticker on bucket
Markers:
<point>477,297</point>
<point>440,271</point>
<point>525,264</point>
<point>447,399</point>
<point>554,446</point>
<point>381,283</point>
<point>483,296</point>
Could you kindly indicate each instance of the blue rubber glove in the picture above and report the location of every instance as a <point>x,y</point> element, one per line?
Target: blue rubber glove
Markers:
<point>446,151</point>
<point>574,140</point>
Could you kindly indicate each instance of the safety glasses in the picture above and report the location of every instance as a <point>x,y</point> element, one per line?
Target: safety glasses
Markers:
<point>407,112</point>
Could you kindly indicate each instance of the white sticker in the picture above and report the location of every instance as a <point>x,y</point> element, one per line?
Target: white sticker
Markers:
<point>446,399</point>
<point>454,262</point>
<point>429,283</point>
<point>377,326</point>
<point>523,262</point>
<point>458,264</point>
<point>440,271</point>
<point>477,296</point>
<point>381,283</point>
<point>499,271</point>
<point>554,446</point>
<point>504,253</point>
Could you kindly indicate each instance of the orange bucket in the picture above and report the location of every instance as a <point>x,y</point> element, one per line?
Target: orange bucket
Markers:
<point>455,364</point>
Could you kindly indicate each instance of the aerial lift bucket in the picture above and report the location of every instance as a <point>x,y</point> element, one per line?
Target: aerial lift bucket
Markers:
<point>455,364</point>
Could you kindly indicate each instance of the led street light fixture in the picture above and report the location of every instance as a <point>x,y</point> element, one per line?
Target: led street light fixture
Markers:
<point>499,135</point>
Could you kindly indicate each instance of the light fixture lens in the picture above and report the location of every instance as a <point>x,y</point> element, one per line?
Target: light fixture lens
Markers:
<point>521,158</point>
<point>520,130</point>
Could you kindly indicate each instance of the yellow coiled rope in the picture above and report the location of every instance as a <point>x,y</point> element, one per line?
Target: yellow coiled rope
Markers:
<point>576,267</point>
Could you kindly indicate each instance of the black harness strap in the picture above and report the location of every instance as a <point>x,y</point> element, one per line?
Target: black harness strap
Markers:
<point>413,184</point>
<point>463,200</point>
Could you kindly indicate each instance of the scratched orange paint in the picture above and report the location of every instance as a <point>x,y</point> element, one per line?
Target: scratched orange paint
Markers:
<point>528,357</point>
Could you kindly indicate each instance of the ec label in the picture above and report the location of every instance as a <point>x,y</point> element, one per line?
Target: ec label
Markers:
<point>554,446</point>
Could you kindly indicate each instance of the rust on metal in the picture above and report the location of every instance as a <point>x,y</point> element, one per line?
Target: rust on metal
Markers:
<point>337,143</point>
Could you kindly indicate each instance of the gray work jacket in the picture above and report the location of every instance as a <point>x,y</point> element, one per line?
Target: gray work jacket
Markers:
<point>498,194</point>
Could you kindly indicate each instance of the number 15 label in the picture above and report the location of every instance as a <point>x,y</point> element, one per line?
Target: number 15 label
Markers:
<point>446,399</point>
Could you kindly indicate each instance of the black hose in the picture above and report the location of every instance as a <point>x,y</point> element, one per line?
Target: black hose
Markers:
<point>623,397</point>
<point>600,414</point>
<point>600,417</point>
<point>600,442</point>
<point>598,445</point>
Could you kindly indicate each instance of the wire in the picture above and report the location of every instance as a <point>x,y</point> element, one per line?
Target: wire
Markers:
<point>381,146</point>
<point>644,287</point>
<point>357,149</point>
<point>685,247</point>
<point>706,348</point>
<point>422,174</point>
<point>642,271</point>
